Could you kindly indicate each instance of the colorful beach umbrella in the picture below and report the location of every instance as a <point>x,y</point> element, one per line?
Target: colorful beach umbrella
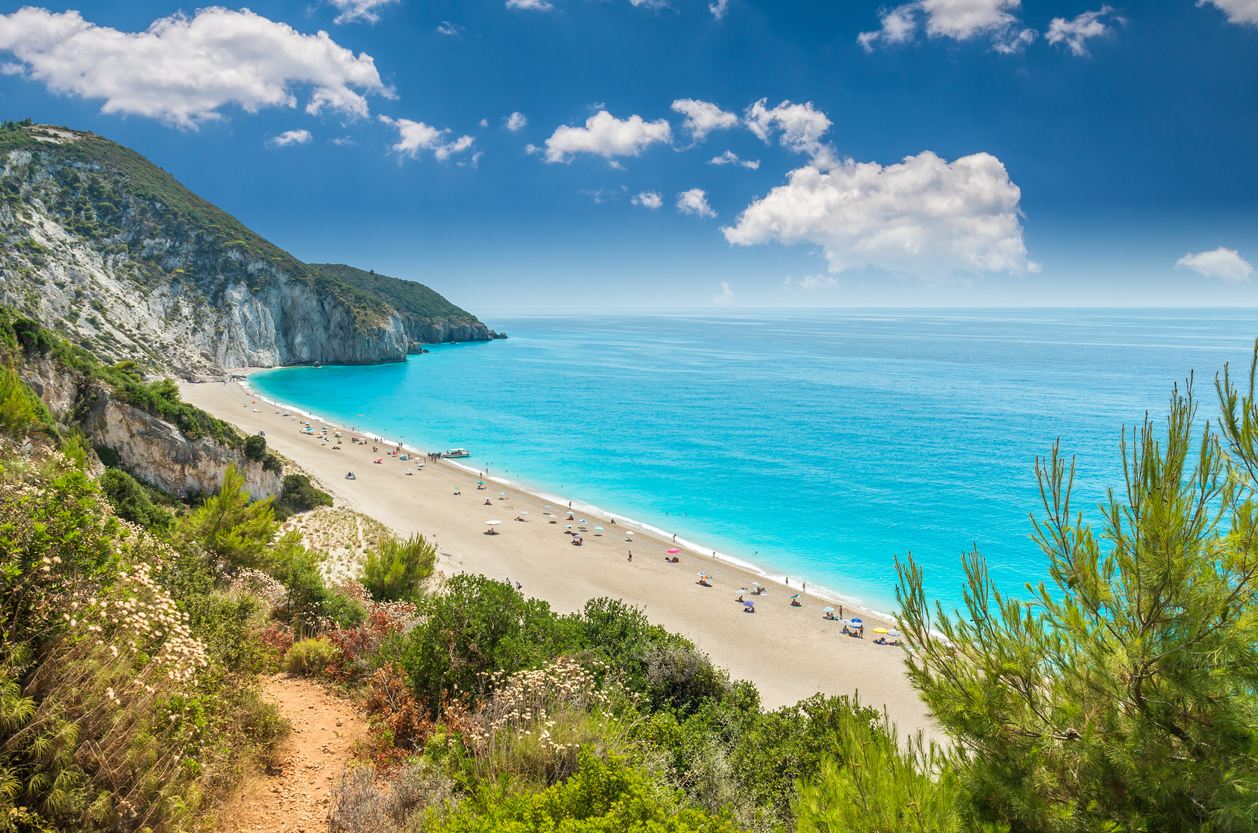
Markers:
<point>749,604</point>
<point>674,549</point>
<point>704,575</point>
<point>880,630</point>
<point>857,622</point>
<point>796,596</point>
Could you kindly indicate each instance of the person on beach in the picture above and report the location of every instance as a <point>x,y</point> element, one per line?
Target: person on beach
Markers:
<point>612,521</point>
<point>630,555</point>
<point>487,503</point>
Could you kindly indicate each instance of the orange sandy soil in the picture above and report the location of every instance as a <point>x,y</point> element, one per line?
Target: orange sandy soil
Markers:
<point>294,795</point>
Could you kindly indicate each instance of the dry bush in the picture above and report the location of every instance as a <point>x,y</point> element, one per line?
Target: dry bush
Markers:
<point>359,644</point>
<point>397,723</point>
<point>536,722</point>
<point>367,801</point>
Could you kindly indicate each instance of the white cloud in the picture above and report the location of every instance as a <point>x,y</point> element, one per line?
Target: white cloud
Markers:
<point>474,162</point>
<point>702,117</point>
<point>694,201</point>
<point>1075,33</point>
<point>530,5</point>
<point>344,141</point>
<point>922,215</point>
<point>731,158</point>
<point>650,4</point>
<point>725,297</point>
<point>957,19</point>
<point>802,125</point>
<point>415,136</point>
<point>650,199</point>
<point>352,10</point>
<point>899,25</point>
<point>810,282</point>
<point>1237,11</point>
<point>448,28</point>
<point>290,137</point>
<point>483,122</point>
<point>606,135</point>
<point>1219,263</point>
<point>182,70</point>
<point>515,121</point>
<point>719,8</point>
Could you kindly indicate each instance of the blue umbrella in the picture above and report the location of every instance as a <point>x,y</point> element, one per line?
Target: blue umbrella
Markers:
<point>749,604</point>
<point>856,622</point>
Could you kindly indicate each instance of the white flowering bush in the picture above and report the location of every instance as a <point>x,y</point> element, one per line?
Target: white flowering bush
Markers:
<point>536,722</point>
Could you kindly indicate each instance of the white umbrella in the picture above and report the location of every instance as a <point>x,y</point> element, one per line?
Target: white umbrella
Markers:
<point>522,513</point>
<point>893,632</point>
<point>628,531</point>
<point>599,528</point>
<point>491,525</point>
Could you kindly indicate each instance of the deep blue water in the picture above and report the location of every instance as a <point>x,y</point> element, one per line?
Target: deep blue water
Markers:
<point>815,445</point>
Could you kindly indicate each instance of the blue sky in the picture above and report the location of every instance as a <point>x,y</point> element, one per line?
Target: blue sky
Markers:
<point>933,153</point>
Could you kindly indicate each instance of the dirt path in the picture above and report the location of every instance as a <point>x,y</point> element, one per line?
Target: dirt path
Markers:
<point>294,795</point>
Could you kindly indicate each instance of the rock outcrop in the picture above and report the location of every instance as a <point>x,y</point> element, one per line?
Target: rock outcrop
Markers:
<point>147,446</point>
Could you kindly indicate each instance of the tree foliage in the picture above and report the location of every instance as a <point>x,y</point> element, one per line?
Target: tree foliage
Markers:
<point>231,527</point>
<point>1123,695</point>
<point>397,569</point>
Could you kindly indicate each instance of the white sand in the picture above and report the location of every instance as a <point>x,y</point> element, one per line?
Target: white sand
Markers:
<point>790,653</point>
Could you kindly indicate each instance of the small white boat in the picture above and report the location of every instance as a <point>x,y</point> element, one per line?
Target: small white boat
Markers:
<point>456,452</point>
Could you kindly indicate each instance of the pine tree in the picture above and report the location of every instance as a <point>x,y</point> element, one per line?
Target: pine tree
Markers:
<point>1123,695</point>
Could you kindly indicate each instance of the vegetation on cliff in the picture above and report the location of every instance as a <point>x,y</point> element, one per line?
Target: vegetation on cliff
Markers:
<point>413,301</point>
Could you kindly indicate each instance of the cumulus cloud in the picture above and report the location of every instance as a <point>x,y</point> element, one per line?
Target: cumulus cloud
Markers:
<point>725,297</point>
<point>702,117</point>
<point>182,70</point>
<point>650,199</point>
<point>801,125</point>
<point>1075,33</point>
<point>352,10</point>
<point>530,5</point>
<point>957,19</point>
<point>694,201</point>
<point>448,28</point>
<point>1219,263</point>
<point>923,215</point>
<point>731,158</point>
<point>1237,11</point>
<point>810,282</point>
<point>290,137</point>
<point>607,136</point>
<point>719,8</point>
<point>415,137</point>
<point>515,121</point>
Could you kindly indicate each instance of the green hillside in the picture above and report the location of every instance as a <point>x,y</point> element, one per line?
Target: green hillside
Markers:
<point>407,297</point>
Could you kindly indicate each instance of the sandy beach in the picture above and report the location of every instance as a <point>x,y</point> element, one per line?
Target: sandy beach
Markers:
<point>790,653</point>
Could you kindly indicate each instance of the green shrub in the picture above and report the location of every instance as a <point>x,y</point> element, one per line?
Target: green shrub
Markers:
<point>299,495</point>
<point>17,411</point>
<point>230,527</point>
<point>476,627</point>
<point>132,502</point>
<point>255,447</point>
<point>604,795</point>
<point>397,571</point>
<point>310,656</point>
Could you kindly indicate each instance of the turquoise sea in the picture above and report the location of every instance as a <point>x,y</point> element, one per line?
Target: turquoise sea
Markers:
<point>817,445</point>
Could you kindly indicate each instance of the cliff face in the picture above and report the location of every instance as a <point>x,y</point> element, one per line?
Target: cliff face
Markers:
<point>426,317</point>
<point>148,447</point>
<point>118,257</point>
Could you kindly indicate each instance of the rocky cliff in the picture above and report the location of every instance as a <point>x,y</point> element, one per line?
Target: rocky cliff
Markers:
<point>118,257</point>
<point>427,318</point>
<point>147,446</point>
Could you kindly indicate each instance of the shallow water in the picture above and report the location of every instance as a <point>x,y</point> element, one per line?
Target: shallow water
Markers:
<point>815,445</point>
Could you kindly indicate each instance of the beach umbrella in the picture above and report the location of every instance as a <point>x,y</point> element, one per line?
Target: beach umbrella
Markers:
<point>893,632</point>
<point>880,630</point>
<point>705,575</point>
<point>598,529</point>
<point>857,622</point>
<point>827,610</point>
<point>492,524</point>
<point>522,513</point>
<point>749,604</point>
<point>796,596</point>
<point>628,531</point>
<point>569,526</point>
<point>500,494</point>
<point>480,482</point>
<point>674,549</point>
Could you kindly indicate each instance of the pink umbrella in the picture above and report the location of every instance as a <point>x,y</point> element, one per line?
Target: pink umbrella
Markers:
<point>674,550</point>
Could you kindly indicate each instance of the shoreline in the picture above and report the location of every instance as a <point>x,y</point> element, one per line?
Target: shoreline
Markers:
<point>761,572</point>
<point>790,653</point>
